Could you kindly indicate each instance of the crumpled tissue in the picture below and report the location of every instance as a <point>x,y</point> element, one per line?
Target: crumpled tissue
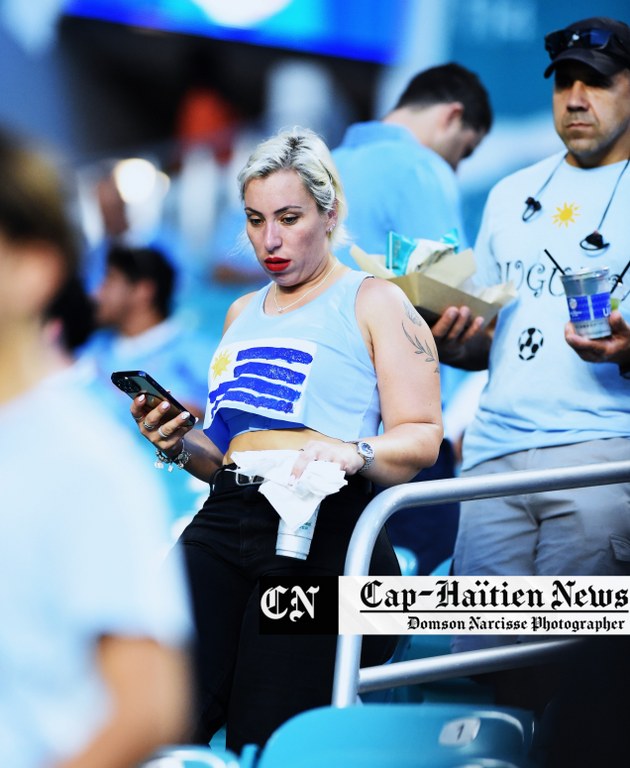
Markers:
<point>294,500</point>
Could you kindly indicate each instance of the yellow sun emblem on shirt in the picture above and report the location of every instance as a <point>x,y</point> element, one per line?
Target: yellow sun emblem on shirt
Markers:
<point>566,214</point>
<point>220,364</point>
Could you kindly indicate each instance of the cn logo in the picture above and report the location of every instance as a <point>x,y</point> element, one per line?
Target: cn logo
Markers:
<point>299,605</point>
<point>299,600</point>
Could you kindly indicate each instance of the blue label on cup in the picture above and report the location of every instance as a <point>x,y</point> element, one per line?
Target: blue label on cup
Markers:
<point>585,308</point>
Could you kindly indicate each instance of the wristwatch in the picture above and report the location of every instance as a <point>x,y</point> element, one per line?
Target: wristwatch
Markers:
<point>366,452</point>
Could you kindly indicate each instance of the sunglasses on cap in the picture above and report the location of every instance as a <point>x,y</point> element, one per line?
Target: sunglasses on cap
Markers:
<point>590,39</point>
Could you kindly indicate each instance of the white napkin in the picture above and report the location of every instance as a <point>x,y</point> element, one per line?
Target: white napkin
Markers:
<point>295,501</point>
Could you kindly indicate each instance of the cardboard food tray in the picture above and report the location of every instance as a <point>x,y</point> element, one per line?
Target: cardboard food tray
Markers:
<point>428,295</point>
<point>431,297</point>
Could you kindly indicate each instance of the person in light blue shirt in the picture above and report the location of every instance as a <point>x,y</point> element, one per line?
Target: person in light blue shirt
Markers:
<point>397,185</point>
<point>137,329</point>
<point>554,398</point>
<point>399,174</point>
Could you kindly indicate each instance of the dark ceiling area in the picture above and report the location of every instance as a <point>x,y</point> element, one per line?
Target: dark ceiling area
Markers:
<point>126,84</point>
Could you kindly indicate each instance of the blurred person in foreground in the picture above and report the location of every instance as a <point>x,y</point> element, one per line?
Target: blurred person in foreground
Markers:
<point>313,362</point>
<point>399,175</point>
<point>95,628</point>
<point>554,398</point>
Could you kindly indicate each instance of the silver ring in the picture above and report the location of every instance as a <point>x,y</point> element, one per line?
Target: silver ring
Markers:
<point>138,420</point>
<point>162,435</point>
<point>148,427</point>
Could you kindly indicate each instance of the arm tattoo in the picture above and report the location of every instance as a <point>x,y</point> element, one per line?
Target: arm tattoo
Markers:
<point>422,349</point>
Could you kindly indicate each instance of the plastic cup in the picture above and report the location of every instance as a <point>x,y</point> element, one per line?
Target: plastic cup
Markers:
<point>296,543</point>
<point>588,299</point>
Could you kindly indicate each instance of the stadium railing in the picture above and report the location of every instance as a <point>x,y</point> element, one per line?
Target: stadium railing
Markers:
<point>350,680</point>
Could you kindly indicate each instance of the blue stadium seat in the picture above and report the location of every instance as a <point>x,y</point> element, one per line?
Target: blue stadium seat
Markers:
<point>407,561</point>
<point>402,736</point>
<point>192,756</point>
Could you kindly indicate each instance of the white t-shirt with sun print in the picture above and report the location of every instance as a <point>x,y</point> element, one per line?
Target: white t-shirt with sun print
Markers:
<point>540,393</point>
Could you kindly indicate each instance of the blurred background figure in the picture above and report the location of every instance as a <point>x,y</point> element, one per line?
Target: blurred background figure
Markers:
<point>400,171</point>
<point>122,203</point>
<point>69,322</point>
<point>206,126</point>
<point>399,176</point>
<point>114,221</point>
<point>95,621</point>
<point>137,330</point>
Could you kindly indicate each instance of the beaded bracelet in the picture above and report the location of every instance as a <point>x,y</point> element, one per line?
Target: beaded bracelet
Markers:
<point>180,460</point>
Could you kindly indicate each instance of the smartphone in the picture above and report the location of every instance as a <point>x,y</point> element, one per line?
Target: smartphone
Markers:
<point>136,383</point>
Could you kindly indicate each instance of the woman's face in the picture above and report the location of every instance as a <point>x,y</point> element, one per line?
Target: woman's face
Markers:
<point>286,229</point>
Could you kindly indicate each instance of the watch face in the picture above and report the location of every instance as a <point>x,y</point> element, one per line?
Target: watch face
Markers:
<point>366,450</point>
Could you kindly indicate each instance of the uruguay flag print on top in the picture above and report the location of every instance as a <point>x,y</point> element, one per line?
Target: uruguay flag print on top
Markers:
<point>268,379</point>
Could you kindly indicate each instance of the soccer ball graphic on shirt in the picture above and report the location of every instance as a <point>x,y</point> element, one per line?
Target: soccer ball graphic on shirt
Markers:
<point>529,342</point>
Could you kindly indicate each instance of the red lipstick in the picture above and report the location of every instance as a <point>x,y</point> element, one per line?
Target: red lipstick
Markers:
<point>276,265</point>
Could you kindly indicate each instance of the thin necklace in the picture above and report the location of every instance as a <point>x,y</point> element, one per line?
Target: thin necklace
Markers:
<point>280,309</point>
<point>593,242</point>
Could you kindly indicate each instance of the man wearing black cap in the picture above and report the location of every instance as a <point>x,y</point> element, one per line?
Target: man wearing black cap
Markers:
<point>599,42</point>
<point>554,398</point>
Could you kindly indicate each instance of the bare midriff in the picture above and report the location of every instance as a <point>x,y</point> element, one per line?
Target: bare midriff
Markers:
<point>273,440</point>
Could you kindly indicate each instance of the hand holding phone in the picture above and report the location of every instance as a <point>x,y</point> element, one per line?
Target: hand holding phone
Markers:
<point>135,383</point>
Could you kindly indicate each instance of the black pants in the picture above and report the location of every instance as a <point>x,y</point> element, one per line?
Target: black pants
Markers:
<point>249,681</point>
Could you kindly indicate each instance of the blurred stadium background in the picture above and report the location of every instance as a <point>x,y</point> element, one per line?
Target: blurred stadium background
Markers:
<point>109,78</point>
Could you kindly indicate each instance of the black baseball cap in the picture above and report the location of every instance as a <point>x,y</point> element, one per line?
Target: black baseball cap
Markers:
<point>599,42</point>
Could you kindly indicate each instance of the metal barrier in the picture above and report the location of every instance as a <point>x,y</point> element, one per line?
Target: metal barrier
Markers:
<point>349,678</point>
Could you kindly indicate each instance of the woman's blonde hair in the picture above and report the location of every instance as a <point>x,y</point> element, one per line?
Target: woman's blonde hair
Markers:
<point>303,151</point>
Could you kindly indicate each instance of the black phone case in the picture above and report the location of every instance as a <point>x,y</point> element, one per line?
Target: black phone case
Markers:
<point>134,383</point>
